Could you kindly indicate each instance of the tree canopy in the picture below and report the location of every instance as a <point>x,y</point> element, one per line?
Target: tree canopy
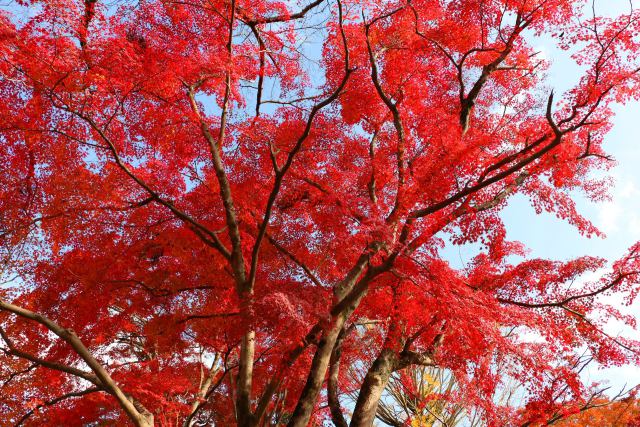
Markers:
<point>211,209</point>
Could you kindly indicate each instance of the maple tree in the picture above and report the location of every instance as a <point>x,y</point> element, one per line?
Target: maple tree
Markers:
<point>623,413</point>
<point>209,208</point>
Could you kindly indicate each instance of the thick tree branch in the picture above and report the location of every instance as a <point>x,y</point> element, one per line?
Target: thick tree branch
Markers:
<point>12,350</point>
<point>333,398</point>
<point>136,413</point>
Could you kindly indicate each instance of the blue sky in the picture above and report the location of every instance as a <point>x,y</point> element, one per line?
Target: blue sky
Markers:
<point>619,218</point>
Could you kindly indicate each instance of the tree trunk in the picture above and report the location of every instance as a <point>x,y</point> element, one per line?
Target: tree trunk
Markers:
<point>332,384</point>
<point>319,365</point>
<point>349,292</point>
<point>245,376</point>
<point>374,383</point>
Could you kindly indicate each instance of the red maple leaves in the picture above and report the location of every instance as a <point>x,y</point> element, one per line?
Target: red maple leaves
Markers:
<point>211,209</point>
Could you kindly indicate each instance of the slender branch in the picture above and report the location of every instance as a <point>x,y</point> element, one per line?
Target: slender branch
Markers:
<point>557,139</point>
<point>215,149</point>
<point>397,119</point>
<point>56,400</point>
<point>296,261</point>
<point>564,302</point>
<point>208,237</point>
<point>201,402</point>
<point>282,171</point>
<point>284,17</point>
<point>468,100</point>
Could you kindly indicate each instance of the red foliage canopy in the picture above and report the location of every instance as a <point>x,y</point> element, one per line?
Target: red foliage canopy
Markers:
<point>208,206</point>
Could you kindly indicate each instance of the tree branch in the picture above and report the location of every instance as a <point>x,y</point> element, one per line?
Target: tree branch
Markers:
<point>141,418</point>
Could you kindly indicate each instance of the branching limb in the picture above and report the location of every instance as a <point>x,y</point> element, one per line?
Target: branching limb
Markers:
<point>56,400</point>
<point>562,303</point>
<point>295,260</point>
<point>140,416</point>
<point>482,183</point>
<point>284,18</point>
<point>397,118</point>
<point>281,172</point>
<point>208,237</point>
<point>13,350</point>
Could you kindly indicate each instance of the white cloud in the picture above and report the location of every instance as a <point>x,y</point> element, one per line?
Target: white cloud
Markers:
<point>621,213</point>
